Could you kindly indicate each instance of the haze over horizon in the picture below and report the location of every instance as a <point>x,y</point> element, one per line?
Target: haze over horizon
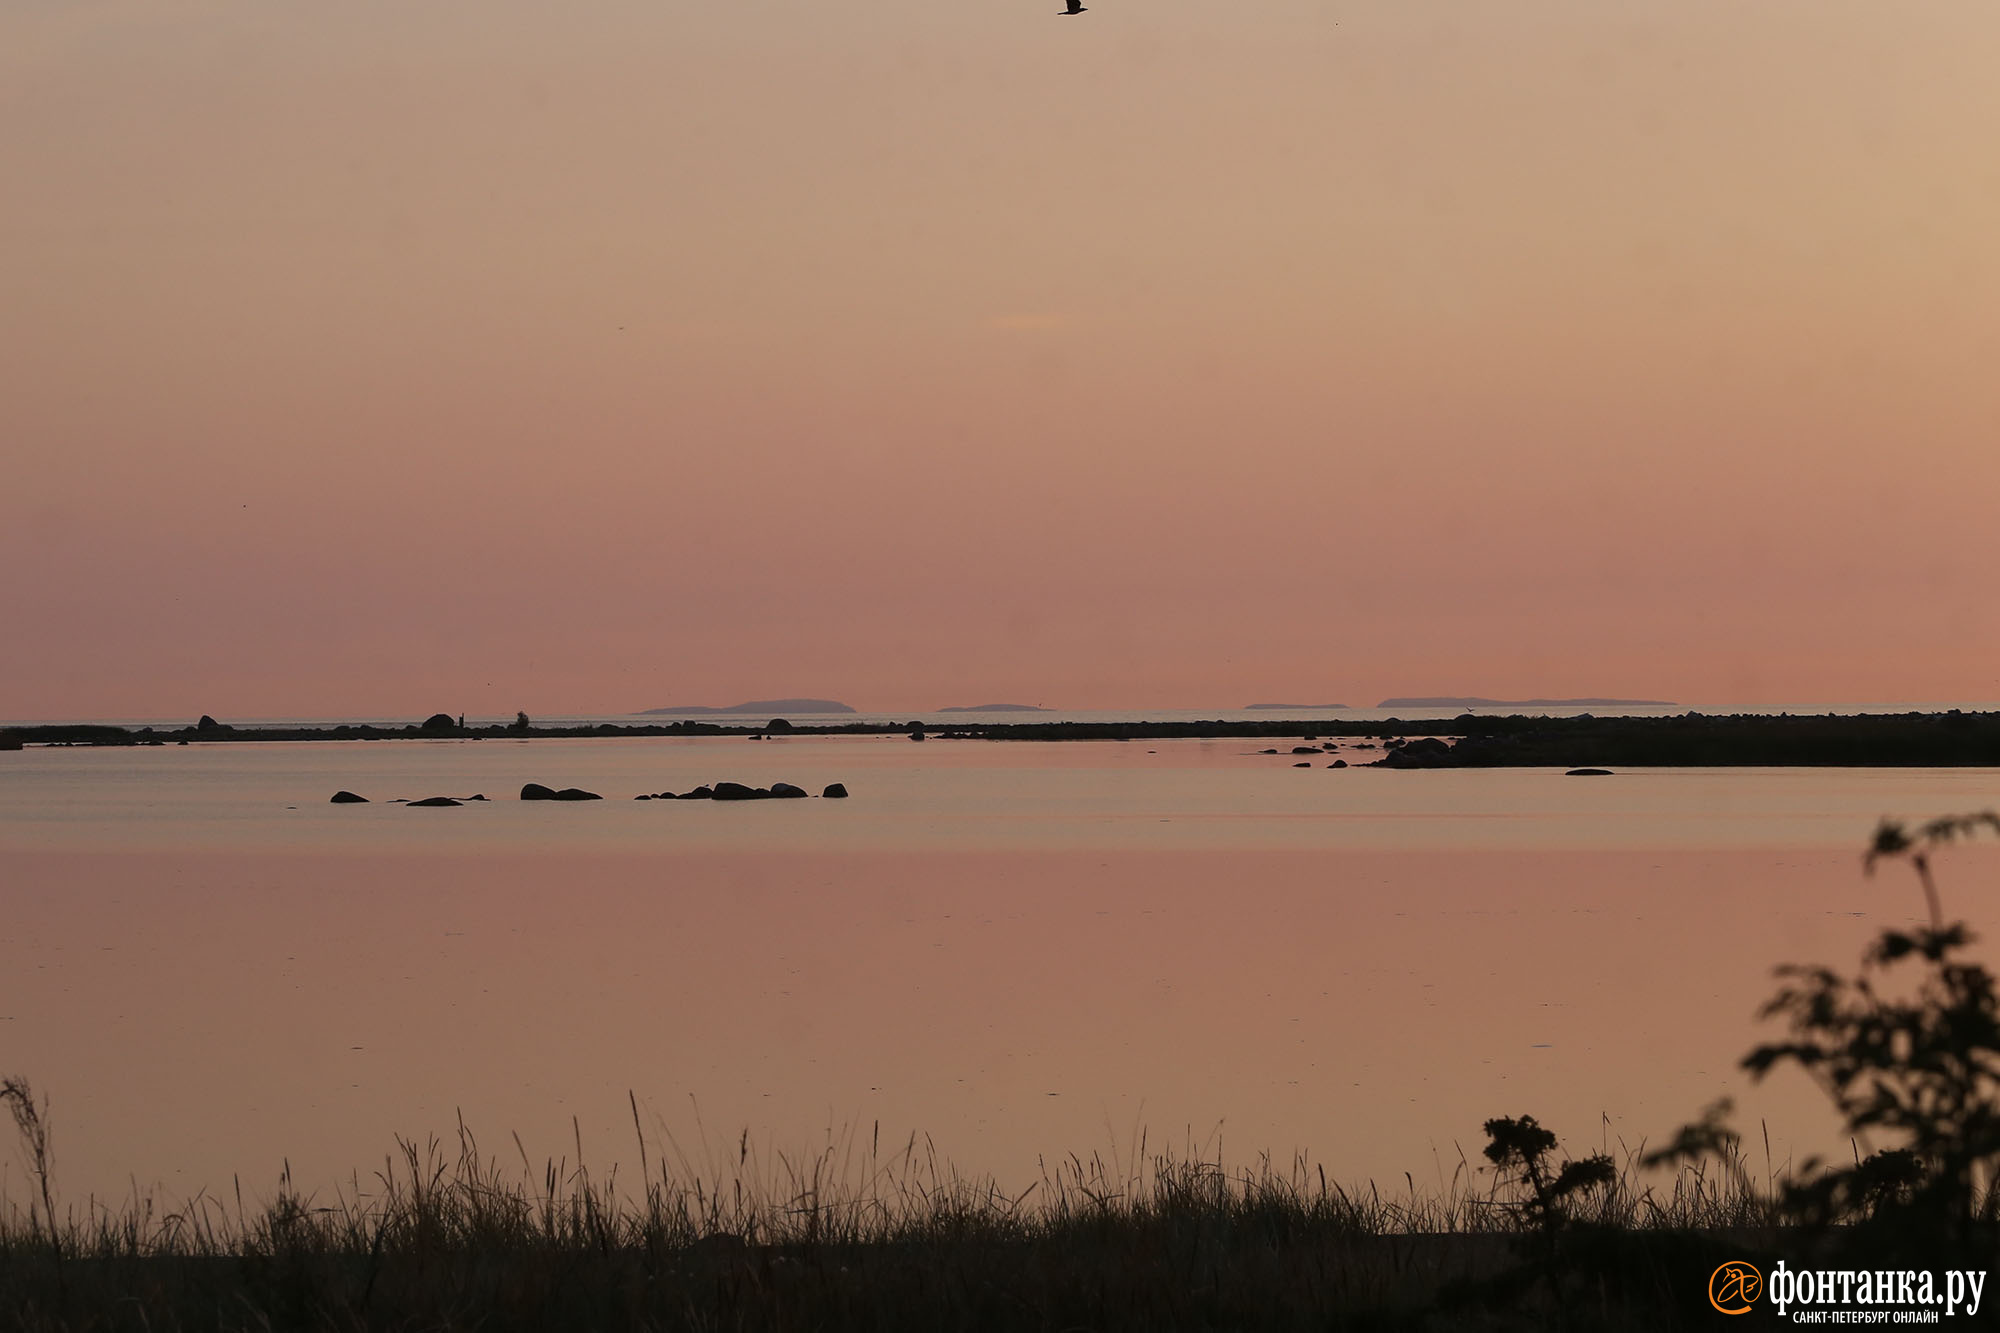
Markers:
<point>495,356</point>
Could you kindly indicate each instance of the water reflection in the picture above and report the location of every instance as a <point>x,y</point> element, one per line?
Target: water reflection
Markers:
<point>1019,950</point>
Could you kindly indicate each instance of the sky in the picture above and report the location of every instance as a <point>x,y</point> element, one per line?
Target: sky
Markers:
<point>473,355</point>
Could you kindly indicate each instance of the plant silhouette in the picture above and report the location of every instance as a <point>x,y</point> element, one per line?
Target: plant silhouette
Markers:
<point>1907,1047</point>
<point>1520,1151</point>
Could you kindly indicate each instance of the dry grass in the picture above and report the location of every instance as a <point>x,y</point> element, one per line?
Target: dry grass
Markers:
<point>449,1236</point>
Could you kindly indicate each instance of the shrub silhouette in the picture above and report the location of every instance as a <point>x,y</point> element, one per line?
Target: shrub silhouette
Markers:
<point>1520,1151</point>
<point>1909,1047</point>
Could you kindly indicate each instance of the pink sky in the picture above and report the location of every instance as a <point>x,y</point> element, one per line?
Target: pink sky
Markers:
<point>482,355</point>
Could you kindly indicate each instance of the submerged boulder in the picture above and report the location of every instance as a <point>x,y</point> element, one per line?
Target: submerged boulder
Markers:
<point>577,794</point>
<point>1588,773</point>
<point>348,798</point>
<point>786,791</point>
<point>835,790</point>
<point>736,791</point>
<point>701,793</point>
<point>434,801</point>
<point>535,791</point>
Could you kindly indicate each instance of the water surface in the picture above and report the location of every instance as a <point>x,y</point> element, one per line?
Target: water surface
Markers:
<point>1018,949</point>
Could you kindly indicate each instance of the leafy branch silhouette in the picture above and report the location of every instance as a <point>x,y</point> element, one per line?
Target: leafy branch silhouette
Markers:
<point>1906,1047</point>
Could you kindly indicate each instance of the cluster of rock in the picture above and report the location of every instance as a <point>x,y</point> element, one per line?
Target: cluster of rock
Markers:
<point>535,791</point>
<point>736,791</point>
<point>1328,748</point>
<point>1424,752</point>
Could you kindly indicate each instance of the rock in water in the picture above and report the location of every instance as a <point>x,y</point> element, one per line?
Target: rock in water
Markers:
<point>1426,752</point>
<point>1588,773</point>
<point>348,798</point>
<point>577,794</point>
<point>786,791</point>
<point>702,793</point>
<point>535,791</point>
<point>735,791</point>
<point>434,801</point>
<point>836,790</point>
<point>439,724</point>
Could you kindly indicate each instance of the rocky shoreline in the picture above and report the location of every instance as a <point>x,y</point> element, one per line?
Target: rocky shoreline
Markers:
<point>1688,740</point>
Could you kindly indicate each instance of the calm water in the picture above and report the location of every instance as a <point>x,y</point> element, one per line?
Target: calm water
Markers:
<point>1018,949</point>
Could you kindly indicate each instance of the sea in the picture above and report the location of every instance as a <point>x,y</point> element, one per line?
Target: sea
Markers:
<point>1009,952</point>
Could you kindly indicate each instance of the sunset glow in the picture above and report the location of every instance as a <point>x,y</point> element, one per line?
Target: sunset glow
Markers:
<point>372,359</point>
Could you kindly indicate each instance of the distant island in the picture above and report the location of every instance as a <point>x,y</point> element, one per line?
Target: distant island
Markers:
<point>1308,708</point>
<point>994,708</point>
<point>1474,702</point>
<point>770,707</point>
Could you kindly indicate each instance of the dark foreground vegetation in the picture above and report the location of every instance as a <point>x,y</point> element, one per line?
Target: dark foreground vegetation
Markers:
<point>448,1237</point>
<point>1688,740</point>
<point>442,1238</point>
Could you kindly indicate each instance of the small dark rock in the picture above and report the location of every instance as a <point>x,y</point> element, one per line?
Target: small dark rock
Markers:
<point>1588,773</point>
<point>439,724</point>
<point>786,791</point>
<point>577,794</point>
<point>1338,763</point>
<point>435,801</point>
<point>535,791</point>
<point>1302,765</point>
<point>735,791</point>
<point>642,796</point>
<point>702,793</point>
<point>837,791</point>
<point>1305,749</point>
<point>348,798</point>
<point>476,796</point>
<point>208,724</point>
<point>1267,752</point>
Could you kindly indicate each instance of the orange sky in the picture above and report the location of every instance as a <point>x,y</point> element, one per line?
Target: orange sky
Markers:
<point>380,358</point>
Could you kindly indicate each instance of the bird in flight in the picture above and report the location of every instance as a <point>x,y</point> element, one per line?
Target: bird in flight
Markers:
<point>1075,7</point>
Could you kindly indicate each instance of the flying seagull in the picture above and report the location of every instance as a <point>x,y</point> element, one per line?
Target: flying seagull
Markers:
<point>1075,7</point>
